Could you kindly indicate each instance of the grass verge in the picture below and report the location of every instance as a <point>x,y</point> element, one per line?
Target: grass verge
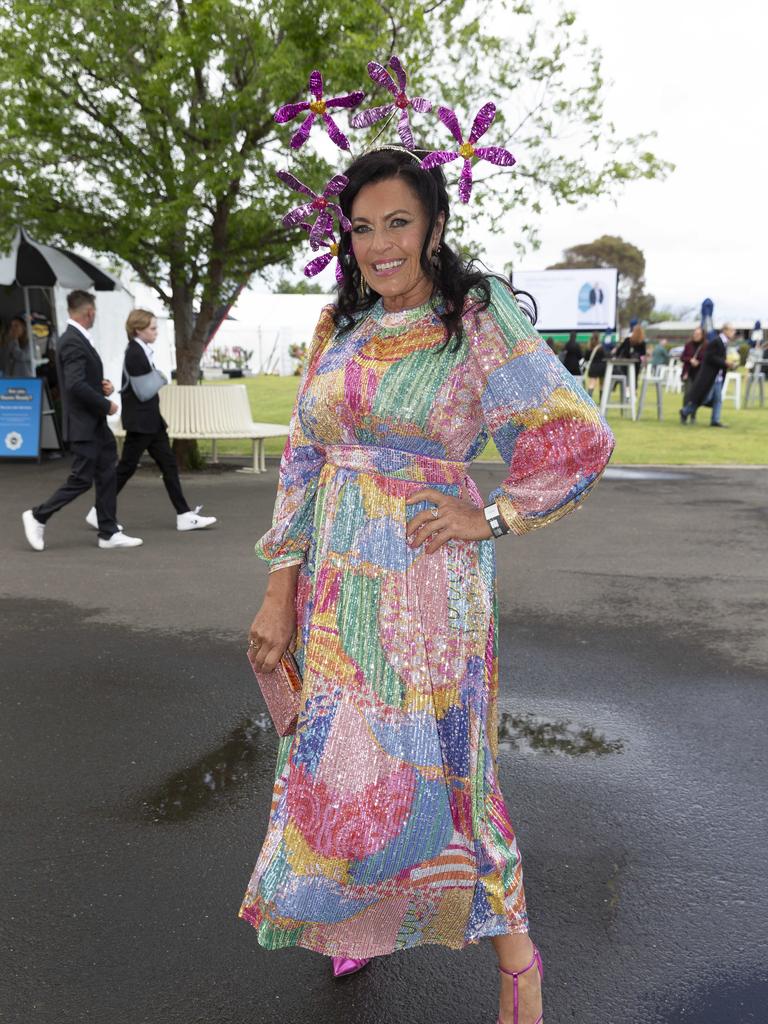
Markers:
<point>660,442</point>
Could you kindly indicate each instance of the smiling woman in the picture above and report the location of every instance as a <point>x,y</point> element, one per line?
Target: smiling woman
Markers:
<point>397,249</point>
<point>388,827</point>
<point>388,246</point>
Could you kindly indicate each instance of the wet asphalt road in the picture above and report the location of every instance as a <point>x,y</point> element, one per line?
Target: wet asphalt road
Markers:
<point>137,759</point>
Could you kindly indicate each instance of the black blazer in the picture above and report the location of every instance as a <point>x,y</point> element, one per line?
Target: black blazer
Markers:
<point>714,361</point>
<point>84,407</point>
<point>572,357</point>
<point>139,417</point>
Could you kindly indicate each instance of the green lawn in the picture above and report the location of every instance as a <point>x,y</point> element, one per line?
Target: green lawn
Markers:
<point>646,441</point>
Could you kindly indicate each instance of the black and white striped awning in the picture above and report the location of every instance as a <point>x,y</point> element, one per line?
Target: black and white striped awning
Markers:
<point>31,264</point>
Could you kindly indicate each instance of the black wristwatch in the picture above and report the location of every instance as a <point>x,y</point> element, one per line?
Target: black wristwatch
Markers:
<point>498,527</point>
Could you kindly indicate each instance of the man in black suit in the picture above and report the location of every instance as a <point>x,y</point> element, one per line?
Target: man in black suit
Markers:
<point>708,385</point>
<point>85,407</point>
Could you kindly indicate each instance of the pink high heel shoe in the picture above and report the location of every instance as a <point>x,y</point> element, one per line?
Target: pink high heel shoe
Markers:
<point>343,965</point>
<point>535,960</point>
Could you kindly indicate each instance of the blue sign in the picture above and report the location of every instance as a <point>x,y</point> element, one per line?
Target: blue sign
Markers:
<point>20,407</point>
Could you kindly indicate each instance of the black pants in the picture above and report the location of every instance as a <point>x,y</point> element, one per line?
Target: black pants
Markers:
<point>93,463</point>
<point>159,447</point>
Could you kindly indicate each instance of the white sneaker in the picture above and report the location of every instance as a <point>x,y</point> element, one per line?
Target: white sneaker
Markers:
<point>193,520</point>
<point>120,540</point>
<point>33,531</point>
<point>93,520</point>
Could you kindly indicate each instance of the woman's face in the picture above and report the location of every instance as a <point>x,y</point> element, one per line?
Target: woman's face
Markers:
<point>16,329</point>
<point>698,334</point>
<point>149,334</point>
<point>388,230</point>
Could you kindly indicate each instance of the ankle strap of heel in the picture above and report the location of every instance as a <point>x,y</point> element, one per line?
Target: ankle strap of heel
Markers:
<point>535,962</point>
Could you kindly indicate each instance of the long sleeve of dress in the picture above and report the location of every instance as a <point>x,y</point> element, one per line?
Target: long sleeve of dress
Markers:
<point>549,432</point>
<point>290,536</point>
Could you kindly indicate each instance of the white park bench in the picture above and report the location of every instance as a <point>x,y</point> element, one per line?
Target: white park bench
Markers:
<point>215,413</point>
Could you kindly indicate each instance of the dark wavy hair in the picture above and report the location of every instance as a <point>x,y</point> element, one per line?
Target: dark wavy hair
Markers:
<point>452,277</point>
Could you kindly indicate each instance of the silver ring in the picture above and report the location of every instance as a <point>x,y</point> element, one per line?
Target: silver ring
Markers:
<point>435,513</point>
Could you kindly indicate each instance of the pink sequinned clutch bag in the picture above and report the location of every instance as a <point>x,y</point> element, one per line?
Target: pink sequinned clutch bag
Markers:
<point>281,690</point>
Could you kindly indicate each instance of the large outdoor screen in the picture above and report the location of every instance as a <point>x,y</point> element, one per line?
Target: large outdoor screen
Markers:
<point>572,300</point>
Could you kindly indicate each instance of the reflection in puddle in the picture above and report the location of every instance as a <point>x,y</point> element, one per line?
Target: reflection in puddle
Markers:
<point>526,732</point>
<point>236,762</point>
<point>200,784</point>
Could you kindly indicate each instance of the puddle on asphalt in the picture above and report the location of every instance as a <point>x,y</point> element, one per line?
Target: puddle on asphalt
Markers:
<point>200,785</point>
<point>624,473</point>
<point>528,733</point>
<point>223,770</point>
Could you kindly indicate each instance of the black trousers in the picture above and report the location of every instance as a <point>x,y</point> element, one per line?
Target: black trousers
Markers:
<point>93,463</point>
<point>159,447</point>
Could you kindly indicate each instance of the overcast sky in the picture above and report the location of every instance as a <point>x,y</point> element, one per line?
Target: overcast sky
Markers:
<point>697,74</point>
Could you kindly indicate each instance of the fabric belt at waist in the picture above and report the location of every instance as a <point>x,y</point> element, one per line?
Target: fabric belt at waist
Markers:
<point>395,463</point>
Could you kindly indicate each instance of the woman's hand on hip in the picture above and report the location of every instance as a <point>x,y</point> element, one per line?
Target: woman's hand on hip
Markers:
<point>273,630</point>
<point>450,519</point>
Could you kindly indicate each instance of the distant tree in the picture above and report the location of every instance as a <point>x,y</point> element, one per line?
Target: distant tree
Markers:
<point>612,251</point>
<point>659,315</point>
<point>284,286</point>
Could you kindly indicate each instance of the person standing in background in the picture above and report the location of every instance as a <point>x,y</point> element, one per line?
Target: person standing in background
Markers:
<point>691,358</point>
<point>595,368</point>
<point>660,354</point>
<point>572,356</point>
<point>18,354</point>
<point>145,428</point>
<point>709,380</point>
<point>633,347</point>
<point>86,405</point>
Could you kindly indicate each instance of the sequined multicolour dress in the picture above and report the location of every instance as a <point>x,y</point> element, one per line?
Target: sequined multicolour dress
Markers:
<point>388,828</point>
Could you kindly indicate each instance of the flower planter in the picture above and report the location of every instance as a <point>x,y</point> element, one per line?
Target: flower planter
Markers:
<point>234,373</point>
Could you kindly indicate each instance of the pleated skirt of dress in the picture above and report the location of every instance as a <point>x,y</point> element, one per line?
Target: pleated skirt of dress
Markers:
<point>388,829</point>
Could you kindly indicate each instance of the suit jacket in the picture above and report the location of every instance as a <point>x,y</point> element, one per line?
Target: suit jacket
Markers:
<point>84,407</point>
<point>139,417</point>
<point>714,361</point>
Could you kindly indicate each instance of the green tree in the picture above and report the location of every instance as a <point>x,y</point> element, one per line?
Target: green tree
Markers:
<point>143,129</point>
<point>660,314</point>
<point>284,286</point>
<point>612,251</point>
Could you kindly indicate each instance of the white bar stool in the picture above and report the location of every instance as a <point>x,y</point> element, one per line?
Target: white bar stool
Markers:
<point>732,378</point>
<point>654,376</point>
<point>675,377</point>
<point>626,385</point>
<point>756,381</point>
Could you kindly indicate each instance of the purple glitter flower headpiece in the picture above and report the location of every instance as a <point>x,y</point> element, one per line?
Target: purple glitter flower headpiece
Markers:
<point>401,102</point>
<point>321,262</point>
<point>468,149</point>
<point>393,78</point>
<point>319,204</point>
<point>317,107</point>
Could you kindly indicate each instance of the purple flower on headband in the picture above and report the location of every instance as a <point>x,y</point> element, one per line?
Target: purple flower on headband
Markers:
<point>317,107</point>
<point>319,204</point>
<point>467,150</point>
<point>321,262</point>
<point>401,102</point>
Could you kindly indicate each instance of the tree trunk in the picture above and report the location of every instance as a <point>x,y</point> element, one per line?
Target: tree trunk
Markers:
<point>188,355</point>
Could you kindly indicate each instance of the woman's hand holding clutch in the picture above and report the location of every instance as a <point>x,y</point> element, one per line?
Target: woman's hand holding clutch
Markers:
<point>273,630</point>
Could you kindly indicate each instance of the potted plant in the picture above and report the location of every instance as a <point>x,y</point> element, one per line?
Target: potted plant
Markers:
<point>299,353</point>
<point>240,358</point>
